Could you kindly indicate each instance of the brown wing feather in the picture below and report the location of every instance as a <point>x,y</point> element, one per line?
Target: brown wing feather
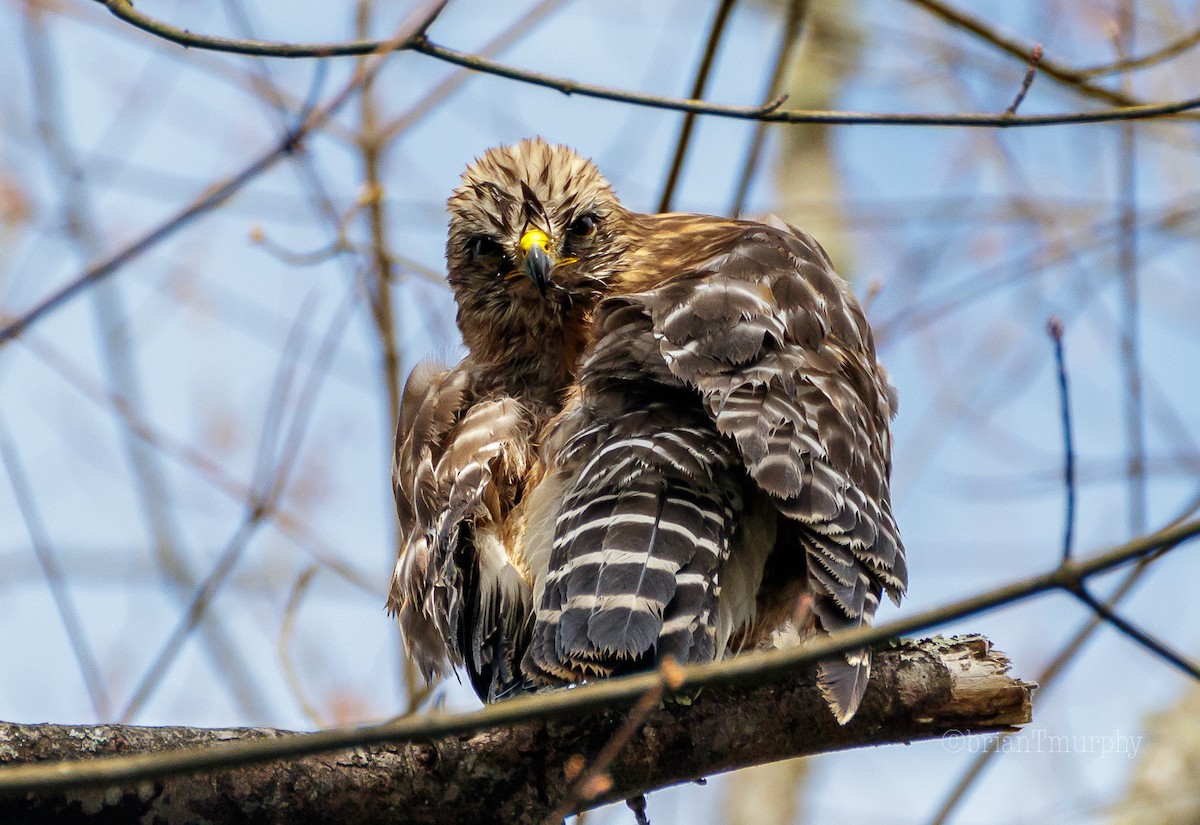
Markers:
<point>781,354</point>
<point>459,596</point>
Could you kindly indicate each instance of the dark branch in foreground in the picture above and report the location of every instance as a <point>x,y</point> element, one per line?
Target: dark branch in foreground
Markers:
<point>748,670</point>
<point>515,774</point>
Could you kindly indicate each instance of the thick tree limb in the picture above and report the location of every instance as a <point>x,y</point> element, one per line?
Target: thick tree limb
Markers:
<point>516,774</point>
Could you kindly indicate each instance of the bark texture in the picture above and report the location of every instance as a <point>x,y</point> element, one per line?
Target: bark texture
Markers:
<point>918,690</point>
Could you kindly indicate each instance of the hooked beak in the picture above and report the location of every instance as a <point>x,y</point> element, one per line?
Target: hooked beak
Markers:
<point>538,264</point>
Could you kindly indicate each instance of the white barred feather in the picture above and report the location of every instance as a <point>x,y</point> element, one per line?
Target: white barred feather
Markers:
<point>775,354</point>
<point>638,542</point>
<point>808,407</point>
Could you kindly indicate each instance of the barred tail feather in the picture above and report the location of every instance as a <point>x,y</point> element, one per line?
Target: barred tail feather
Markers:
<point>618,585</point>
<point>638,546</point>
<point>640,580</point>
<point>844,597</point>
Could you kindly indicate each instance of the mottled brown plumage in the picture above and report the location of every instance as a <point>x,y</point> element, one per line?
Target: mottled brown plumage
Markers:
<point>670,437</point>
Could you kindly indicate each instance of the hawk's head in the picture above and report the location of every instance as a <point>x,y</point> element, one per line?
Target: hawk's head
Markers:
<point>536,233</point>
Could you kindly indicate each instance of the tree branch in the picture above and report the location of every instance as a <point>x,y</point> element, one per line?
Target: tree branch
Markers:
<point>606,694</point>
<point>919,690</point>
<point>770,112</point>
<point>1063,74</point>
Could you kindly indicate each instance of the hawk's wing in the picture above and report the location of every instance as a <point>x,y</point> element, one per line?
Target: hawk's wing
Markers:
<point>456,591</point>
<point>783,358</point>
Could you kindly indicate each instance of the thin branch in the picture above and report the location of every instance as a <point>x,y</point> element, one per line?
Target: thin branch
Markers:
<point>720,18</point>
<point>283,644</point>
<point>1055,328</point>
<point>789,37</point>
<point>525,25</point>
<point>595,781</point>
<point>56,582</point>
<point>124,10</point>
<point>1045,681</point>
<point>769,112</point>
<point>148,475</point>
<point>1065,75</point>
<point>301,258</point>
<point>1161,55</point>
<point>1040,259</point>
<point>1130,323</point>
<point>379,279</point>
<point>609,693</point>
<point>1035,57</point>
<point>320,199</point>
<point>192,616</point>
<point>263,493</point>
<point>1141,637</point>
<point>271,471</point>
<point>288,522</point>
<point>324,206</point>
<point>214,198</point>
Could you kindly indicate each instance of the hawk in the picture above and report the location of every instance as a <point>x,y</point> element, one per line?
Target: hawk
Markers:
<point>670,437</point>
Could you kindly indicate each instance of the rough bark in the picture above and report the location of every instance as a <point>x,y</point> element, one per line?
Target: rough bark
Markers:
<point>918,690</point>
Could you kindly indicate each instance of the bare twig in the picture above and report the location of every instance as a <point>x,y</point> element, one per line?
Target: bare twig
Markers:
<point>311,257</point>
<point>283,643</point>
<point>270,476</point>
<point>1045,681</point>
<point>772,113</point>
<point>594,780</point>
<point>1161,55</point>
<point>1035,57</point>
<point>1065,75</point>
<point>699,84</point>
<point>324,203</point>
<point>986,281</point>
<point>378,281</point>
<point>1141,637</point>
<point>524,26</point>
<point>1048,678</point>
<point>214,198</point>
<point>288,522</point>
<point>52,571</point>
<point>789,37</point>
<point>1055,327</point>
<point>1130,324</point>
<point>121,368</point>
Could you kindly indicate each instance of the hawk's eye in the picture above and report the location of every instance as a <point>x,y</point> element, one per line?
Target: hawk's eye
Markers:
<point>583,226</point>
<point>483,248</point>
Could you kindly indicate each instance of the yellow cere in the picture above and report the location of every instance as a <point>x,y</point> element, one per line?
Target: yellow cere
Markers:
<point>534,237</point>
